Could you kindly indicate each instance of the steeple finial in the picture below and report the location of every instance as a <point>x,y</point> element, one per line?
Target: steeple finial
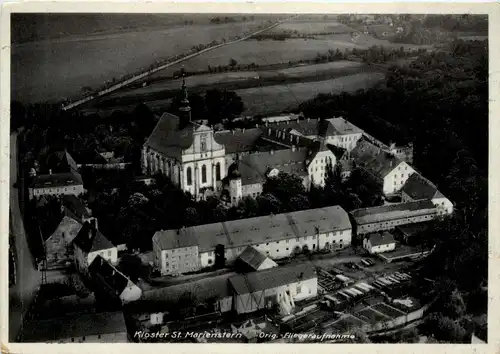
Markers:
<point>185,109</point>
<point>184,87</point>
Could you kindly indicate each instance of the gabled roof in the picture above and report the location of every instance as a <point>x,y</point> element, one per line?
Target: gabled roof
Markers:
<point>379,239</point>
<point>74,327</point>
<point>254,167</point>
<point>90,239</point>
<point>375,160</point>
<point>252,257</point>
<point>390,212</point>
<point>344,127</point>
<point>202,289</point>
<point>337,151</point>
<point>61,161</point>
<point>69,226</point>
<point>103,270</point>
<point>272,278</point>
<point>75,205</point>
<point>169,138</point>
<point>308,127</point>
<point>58,180</point>
<point>238,140</point>
<point>262,229</point>
<point>418,187</point>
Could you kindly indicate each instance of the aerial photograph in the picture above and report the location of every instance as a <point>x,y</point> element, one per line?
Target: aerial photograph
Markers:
<point>248,178</point>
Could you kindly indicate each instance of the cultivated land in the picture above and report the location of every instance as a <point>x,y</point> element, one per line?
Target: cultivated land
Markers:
<point>57,69</point>
<point>263,92</point>
<point>273,99</point>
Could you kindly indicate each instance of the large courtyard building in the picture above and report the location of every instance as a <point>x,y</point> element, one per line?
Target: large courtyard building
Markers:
<point>276,236</point>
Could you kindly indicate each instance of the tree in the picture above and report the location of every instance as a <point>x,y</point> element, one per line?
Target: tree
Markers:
<point>366,187</point>
<point>445,329</point>
<point>191,217</point>
<point>268,204</point>
<point>454,305</point>
<point>232,62</point>
<point>221,105</point>
<point>75,283</point>
<point>131,265</point>
<point>298,202</point>
<point>248,207</point>
<point>284,186</point>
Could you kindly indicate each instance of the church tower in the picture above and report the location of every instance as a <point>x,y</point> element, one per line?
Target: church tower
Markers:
<point>185,108</point>
<point>235,190</point>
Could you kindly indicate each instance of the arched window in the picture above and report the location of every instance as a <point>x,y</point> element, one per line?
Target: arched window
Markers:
<point>217,171</point>
<point>189,177</point>
<point>203,174</point>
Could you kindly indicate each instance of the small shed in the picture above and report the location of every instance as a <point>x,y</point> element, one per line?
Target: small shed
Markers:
<point>251,259</point>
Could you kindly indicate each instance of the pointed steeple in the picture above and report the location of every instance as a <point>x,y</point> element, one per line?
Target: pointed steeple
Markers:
<point>185,108</point>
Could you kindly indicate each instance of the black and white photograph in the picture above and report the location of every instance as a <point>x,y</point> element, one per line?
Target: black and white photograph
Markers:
<point>248,178</point>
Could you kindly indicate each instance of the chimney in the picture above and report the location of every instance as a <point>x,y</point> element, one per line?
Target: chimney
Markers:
<point>50,172</point>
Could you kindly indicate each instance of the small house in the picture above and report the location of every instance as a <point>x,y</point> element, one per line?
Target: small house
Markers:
<point>379,242</point>
<point>113,282</point>
<point>90,243</point>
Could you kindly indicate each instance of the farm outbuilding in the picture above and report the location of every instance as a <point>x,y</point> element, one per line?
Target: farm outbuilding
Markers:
<point>252,259</point>
<point>281,286</point>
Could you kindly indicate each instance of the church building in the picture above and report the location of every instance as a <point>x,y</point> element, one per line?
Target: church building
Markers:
<point>185,151</point>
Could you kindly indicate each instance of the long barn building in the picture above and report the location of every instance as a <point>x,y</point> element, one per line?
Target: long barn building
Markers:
<point>277,236</point>
<point>387,217</point>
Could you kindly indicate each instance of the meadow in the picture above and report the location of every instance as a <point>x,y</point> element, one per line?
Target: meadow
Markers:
<point>51,70</point>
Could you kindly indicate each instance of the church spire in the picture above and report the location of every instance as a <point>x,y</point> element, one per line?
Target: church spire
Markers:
<point>185,108</point>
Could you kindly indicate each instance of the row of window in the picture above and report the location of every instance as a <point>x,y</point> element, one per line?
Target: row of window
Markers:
<point>241,249</point>
<point>51,190</point>
<point>399,221</point>
<point>189,175</point>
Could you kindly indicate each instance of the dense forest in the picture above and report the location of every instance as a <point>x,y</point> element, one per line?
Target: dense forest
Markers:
<point>440,103</point>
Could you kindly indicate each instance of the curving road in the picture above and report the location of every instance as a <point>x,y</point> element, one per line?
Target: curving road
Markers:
<point>27,276</point>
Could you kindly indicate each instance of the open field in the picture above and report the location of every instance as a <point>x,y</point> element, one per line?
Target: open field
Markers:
<point>258,100</point>
<point>30,27</point>
<point>339,68</point>
<point>280,98</point>
<point>266,52</point>
<point>53,70</point>
<point>304,26</point>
